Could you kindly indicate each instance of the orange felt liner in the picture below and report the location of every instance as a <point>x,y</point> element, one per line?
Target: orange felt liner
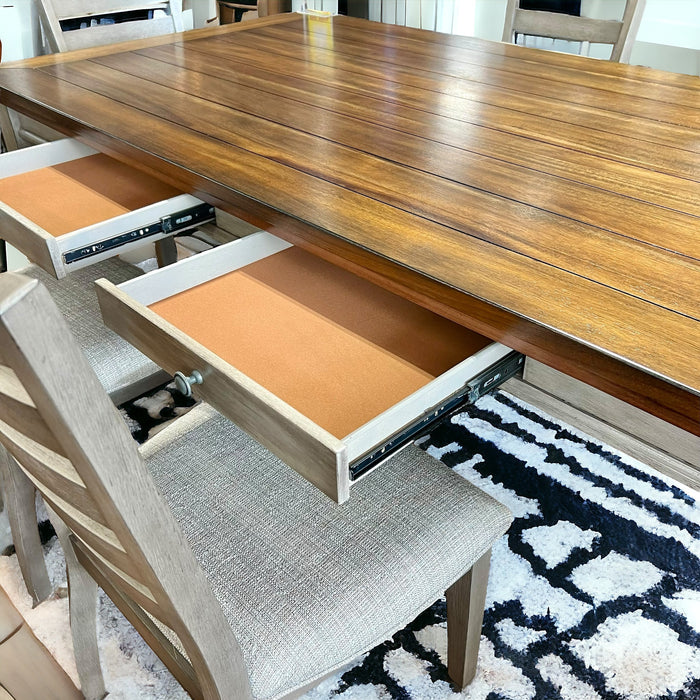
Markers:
<point>66,197</point>
<point>334,346</point>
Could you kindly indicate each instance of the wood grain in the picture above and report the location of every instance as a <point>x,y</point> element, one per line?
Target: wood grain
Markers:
<point>505,188</point>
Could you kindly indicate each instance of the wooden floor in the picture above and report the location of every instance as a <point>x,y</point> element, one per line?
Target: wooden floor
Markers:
<point>27,670</point>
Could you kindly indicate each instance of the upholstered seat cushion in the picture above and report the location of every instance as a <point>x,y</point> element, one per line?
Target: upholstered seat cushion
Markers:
<point>306,583</point>
<point>117,364</point>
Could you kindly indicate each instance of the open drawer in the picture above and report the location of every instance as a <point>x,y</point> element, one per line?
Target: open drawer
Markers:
<point>66,206</point>
<point>329,371</point>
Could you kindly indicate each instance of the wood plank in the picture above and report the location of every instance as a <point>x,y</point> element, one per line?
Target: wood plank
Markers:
<point>28,671</point>
<point>594,254</point>
<point>505,49</point>
<point>67,9</point>
<point>19,497</point>
<point>356,42</point>
<point>10,619</point>
<point>609,174</point>
<point>417,146</point>
<point>30,239</point>
<point>453,258</point>
<point>19,412</point>
<point>645,427</point>
<point>100,538</point>
<point>178,665</point>
<point>413,69</point>
<point>466,599</point>
<point>50,472</point>
<point>588,140</point>
<point>501,103</point>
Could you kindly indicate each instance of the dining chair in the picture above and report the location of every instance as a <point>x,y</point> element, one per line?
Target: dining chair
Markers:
<point>620,34</point>
<point>123,372</point>
<point>124,20</point>
<point>245,579</point>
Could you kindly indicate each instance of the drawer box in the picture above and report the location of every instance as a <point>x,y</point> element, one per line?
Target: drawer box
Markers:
<point>321,366</point>
<point>66,206</point>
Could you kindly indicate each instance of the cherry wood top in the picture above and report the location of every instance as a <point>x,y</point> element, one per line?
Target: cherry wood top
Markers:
<point>548,201</point>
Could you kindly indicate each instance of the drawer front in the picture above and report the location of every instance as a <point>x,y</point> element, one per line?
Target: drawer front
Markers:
<point>66,206</point>
<point>313,409</point>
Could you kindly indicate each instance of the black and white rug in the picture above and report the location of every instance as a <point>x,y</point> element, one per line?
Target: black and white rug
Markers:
<point>594,592</point>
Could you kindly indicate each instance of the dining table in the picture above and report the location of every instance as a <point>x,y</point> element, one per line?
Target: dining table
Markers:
<point>548,201</point>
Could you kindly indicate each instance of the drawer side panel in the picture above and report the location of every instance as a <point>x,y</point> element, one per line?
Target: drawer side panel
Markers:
<point>31,240</point>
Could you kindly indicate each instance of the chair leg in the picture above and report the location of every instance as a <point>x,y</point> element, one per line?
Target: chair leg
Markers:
<point>19,495</point>
<point>466,599</point>
<point>7,129</point>
<point>82,599</point>
<point>166,251</point>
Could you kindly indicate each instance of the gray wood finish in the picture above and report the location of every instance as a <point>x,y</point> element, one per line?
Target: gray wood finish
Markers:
<point>675,442</point>
<point>115,528</point>
<point>27,669</point>
<point>466,599</point>
<point>620,34</point>
<point>607,428</point>
<point>20,497</point>
<point>52,12</point>
<point>104,458</point>
<point>83,617</point>
<point>317,455</point>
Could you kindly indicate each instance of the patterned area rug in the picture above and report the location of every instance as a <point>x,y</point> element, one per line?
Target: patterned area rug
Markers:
<point>594,592</point>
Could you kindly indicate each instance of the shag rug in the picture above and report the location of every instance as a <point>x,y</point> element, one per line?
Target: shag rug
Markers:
<point>594,592</point>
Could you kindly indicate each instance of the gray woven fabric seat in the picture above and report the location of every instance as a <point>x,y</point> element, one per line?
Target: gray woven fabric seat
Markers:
<point>305,588</point>
<point>118,364</point>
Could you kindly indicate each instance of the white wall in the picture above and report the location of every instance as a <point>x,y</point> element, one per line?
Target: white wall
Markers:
<point>19,30</point>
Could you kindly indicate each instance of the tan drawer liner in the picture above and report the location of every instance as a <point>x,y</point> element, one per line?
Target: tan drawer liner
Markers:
<point>81,192</point>
<point>334,346</point>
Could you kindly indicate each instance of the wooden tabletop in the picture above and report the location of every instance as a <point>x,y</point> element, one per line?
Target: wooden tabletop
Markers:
<point>548,201</point>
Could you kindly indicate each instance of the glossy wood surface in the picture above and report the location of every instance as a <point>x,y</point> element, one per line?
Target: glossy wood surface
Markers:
<point>548,201</point>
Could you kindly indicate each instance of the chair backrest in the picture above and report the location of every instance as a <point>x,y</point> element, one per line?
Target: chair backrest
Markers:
<point>67,436</point>
<point>56,15</point>
<point>620,34</point>
<point>18,130</point>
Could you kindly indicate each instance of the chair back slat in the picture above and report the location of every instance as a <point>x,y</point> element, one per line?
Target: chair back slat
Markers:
<point>70,9</point>
<point>50,472</point>
<point>129,586</point>
<point>620,34</point>
<point>113,34</point>
<point>53,12</point>
<point>96,536</point>
<point>554,25</point>
<point>101,488</point>
<point>18,411</point>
